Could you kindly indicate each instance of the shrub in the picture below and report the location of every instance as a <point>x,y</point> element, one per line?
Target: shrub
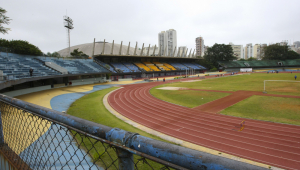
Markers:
<point>214,69</point>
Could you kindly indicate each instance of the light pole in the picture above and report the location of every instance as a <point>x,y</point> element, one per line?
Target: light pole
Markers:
<point>185,72</point>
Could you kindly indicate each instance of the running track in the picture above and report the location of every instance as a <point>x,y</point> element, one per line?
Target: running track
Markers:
<point>270,143</point>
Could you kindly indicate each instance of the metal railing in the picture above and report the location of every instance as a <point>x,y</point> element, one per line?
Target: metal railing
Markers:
<point>34,137</point>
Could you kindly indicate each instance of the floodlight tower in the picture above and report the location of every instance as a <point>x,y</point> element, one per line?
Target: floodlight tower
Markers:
<point>68,23</point>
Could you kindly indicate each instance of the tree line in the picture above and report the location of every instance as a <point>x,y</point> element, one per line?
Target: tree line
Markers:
<point>223,52</point>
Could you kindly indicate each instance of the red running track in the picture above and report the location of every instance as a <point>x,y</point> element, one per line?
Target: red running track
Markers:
<point>266,142</point>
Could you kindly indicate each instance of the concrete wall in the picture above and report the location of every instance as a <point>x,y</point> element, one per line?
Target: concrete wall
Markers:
<point>41,88</point>
<point>27,91</point>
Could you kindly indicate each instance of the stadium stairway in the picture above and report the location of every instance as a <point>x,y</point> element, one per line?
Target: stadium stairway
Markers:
<point>77,66</point>
<point>144,67</point>
<point>169,66</point>
<point>111,69</point>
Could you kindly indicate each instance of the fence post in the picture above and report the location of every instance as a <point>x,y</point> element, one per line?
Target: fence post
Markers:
<point>123,138</point>
<point>125,159</point>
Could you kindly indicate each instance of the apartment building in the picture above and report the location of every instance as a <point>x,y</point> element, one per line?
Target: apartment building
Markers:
<point>167,41</point>
<point>200,46</point>
<point>237,50</point>
<point>248,51</point>
<point>297,44</point>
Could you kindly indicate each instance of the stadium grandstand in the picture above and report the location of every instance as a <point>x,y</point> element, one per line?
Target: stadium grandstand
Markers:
<point>51,72</point>
<point>111,61</point>
<point>15,74</point>
<point>278,65</point>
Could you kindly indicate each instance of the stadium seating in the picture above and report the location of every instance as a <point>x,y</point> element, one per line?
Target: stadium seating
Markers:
<point>198,65</point>
<point>77,66</point>
<point>193,65</point>
<point>151,66</point>
<point>143,66</point>
<point>291,63</point>
<point>169,66</point>
<point>104,65</point>
<point>259,63</point>
<point>179,66</point>
<point>120,66</point>
<point>17,66</point>
<point>132,67</point>
<point>161,66</point>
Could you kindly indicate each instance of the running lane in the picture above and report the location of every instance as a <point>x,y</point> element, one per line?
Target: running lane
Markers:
<point>270,143</point>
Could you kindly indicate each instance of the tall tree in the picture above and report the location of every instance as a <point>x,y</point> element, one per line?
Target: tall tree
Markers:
<point>279,52</point>
<point>55,54</point>
<point>251,59</point>
<point>3,20</point>
<point>77,53</point>
<point>219,52</point>
<point>21,47</point>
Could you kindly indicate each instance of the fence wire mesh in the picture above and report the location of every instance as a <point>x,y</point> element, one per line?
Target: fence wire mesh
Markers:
<point>35,142</point>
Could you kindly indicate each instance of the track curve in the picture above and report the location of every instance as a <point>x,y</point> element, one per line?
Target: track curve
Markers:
<point>270,143</point>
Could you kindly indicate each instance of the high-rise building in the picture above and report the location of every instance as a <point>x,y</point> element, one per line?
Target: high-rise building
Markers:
<point>237,50</point>
<point>248,51</point>
<point>167,41</point>
<point>297,44</point>
<point>200,46</point>
<point>257,51</point>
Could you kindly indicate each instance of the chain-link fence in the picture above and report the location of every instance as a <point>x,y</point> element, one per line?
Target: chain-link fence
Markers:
<point>34,137</point>
<point>37,142</point>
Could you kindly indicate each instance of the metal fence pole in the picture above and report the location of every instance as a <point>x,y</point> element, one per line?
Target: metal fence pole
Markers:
<point>126,161</point>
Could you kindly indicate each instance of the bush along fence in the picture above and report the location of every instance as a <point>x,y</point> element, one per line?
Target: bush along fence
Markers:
<point>34,137</point>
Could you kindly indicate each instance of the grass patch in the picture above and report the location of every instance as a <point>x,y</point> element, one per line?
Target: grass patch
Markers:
<point>274,109</point>
<point>187,98</point>
<point>91,107</point>
<point>250,82</point>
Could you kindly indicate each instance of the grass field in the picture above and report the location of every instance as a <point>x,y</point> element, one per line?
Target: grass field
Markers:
<point>248,82</point>
<point>275,109</point>
<point>91,107</point>
<point>187,98</point>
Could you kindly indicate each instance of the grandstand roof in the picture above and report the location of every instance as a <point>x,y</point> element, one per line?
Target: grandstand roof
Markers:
<point>152,57</point>
<point>88,49</point>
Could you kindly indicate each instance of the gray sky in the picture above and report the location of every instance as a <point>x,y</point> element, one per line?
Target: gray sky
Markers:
<point>40,22</point>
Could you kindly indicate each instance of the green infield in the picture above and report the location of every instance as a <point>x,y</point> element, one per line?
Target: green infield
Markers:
<point>91,107</point>
<point>275,109</point>
<point>247,82</point>
<point>187,98</point>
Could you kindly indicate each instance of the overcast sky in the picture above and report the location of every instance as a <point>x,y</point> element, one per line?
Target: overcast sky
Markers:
<point>40,22</point>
